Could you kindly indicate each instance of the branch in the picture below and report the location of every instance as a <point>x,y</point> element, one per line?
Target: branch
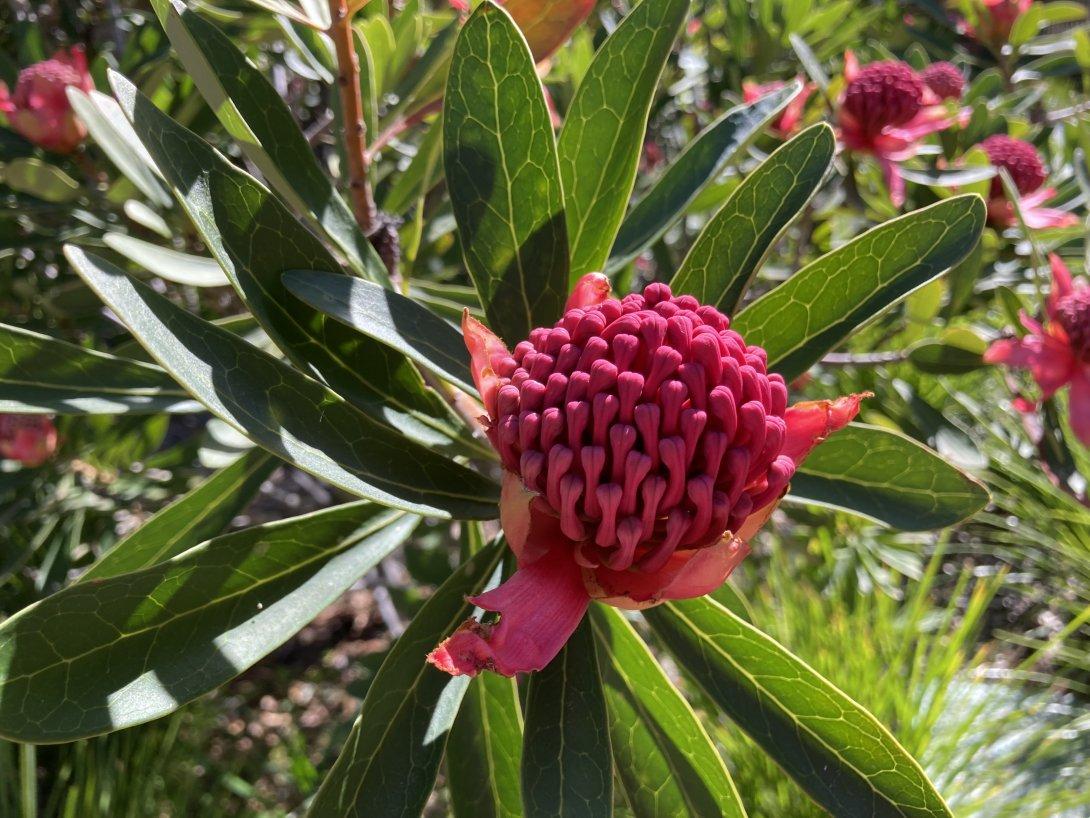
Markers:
<point>348,81</point>
<point>863,358</point>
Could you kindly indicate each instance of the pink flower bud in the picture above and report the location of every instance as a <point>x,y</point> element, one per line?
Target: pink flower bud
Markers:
<point>640,438</point>
<point>30,439</point>
<point>39,110</point>
<point>883,94</point>
<point>1019,158</point>
<point>944,79</point>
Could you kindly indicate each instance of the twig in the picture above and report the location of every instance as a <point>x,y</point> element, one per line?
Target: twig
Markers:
<point>400,126</point>
<point>318,127</point>
<point>355,132</point>
<point>863,358</point>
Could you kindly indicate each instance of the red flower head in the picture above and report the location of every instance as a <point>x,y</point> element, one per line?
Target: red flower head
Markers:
<point>1022,161</point>
<point>1057,353</point>
<point>39,109</point>
<point>643,442</point>
<point>886,110</point>
<point>790,120</point>
<point>995,19</point>
<point>944,80</point>
<point>30,439</point>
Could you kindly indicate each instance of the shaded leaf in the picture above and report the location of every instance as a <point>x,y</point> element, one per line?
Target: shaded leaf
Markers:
<point>602,139</point>
<point>887,477</point>
<point>566,758</point>
<point>502,173</point>
<point>736,241</point>
<point>192,518</point>
<point>48,182</point>
<point>388,764</point>
<point>42,374</point>
<point>955,352</point>
<point>283,410</point>
<point>664,758</point>
<point>819,306</point>
<point>107,654</point>
<point>833,748</point>
<point>701,162</point>
<point>386,316</point>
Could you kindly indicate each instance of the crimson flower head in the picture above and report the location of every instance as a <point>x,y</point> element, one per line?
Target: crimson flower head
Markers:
<point>1022,161</point>
<point>944,80</point>
<point>39,109</point>
<point>29,439</point>
<point>643,443</point>
<point>995,19</point>
<point>789,122</point>
<point>1057,352</point>
<point>885,111</point>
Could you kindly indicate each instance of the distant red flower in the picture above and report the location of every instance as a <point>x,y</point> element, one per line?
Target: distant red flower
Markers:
<point>995,19</point>
<point>944,79</point>
<point>29,439</point>
<point>643,444</point>
<point>789,122</point>
<point>885,111</point>
<point>1056,353</point>
<point>547,25</point>
<point>39,109</point>
<point>1022,161</point>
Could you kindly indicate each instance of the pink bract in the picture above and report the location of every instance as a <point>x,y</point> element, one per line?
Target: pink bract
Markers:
<point>29,439</point>
<point>643,443</point>
<point>39,110</point>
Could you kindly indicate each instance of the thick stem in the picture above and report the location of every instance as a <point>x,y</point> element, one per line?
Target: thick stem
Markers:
<point>355,132</point>
<point>28,780</point>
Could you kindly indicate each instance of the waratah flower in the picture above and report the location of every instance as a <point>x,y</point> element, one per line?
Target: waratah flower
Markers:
<point>643,443</point>
<point>546,25</point>
<point>995,19</point>
<point>1022,161</point>
<point>944,79</point>
<point>30,439</point>
<point>1057,352</point>
<point>39,108</point>
<point>789,122</point>
<point>885,111</point>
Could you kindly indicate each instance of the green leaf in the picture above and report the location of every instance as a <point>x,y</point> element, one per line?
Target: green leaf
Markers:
<point>104,655</point>
<point>887,477</point>
<point>603,134</point>
<point>665,760</point>
<point>252,111</point>
<point>388,764</point>
<point>955,352</point>
<point>255,239</point>
<point>107,125</point>
<point>386,316</point>
<point>736,241</point>
<point>416,180</point>
<point>566,757</point>
<point>819,306</point>
<point>484,751</point>
<point>701,162</point>
<point>833,748</point>
<point>181,268</point>
<point>502,173</point>
<point>42,374</point>
<point>48,182</point>
<point>283,410</point>
<point>196,516</point>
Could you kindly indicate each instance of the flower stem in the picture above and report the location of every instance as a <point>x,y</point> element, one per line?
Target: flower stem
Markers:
<point>28,780</point>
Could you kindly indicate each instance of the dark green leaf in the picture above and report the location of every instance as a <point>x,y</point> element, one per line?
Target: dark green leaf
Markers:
<point>255,239</point>
<point>42,374</point>
<point>252,111</point>
<point>388,764</point>
<point>566,758</point>
<point>191,519</point>
<point>485,750</point>
<point>888,477</point>
<point>393,319</point>
<point>103,655</point>
<point>283,410</point>
<point>954,353</point>
<point>701,162</point>
<point>502,173</point>
<point>602,139</point>
<point>734,244</point>
<point>664,758</point>
<point>819,306</point>
<point>833,748</point>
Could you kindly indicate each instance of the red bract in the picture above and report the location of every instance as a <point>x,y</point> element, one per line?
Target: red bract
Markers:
<point>790,120</point>
<point>39,108</point>
<point>643,443</point>
<point>1022,161</point>
<point>1056,353</point>
<point>886,111</point>
<point>30,439</point>
<point>944,79</point>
